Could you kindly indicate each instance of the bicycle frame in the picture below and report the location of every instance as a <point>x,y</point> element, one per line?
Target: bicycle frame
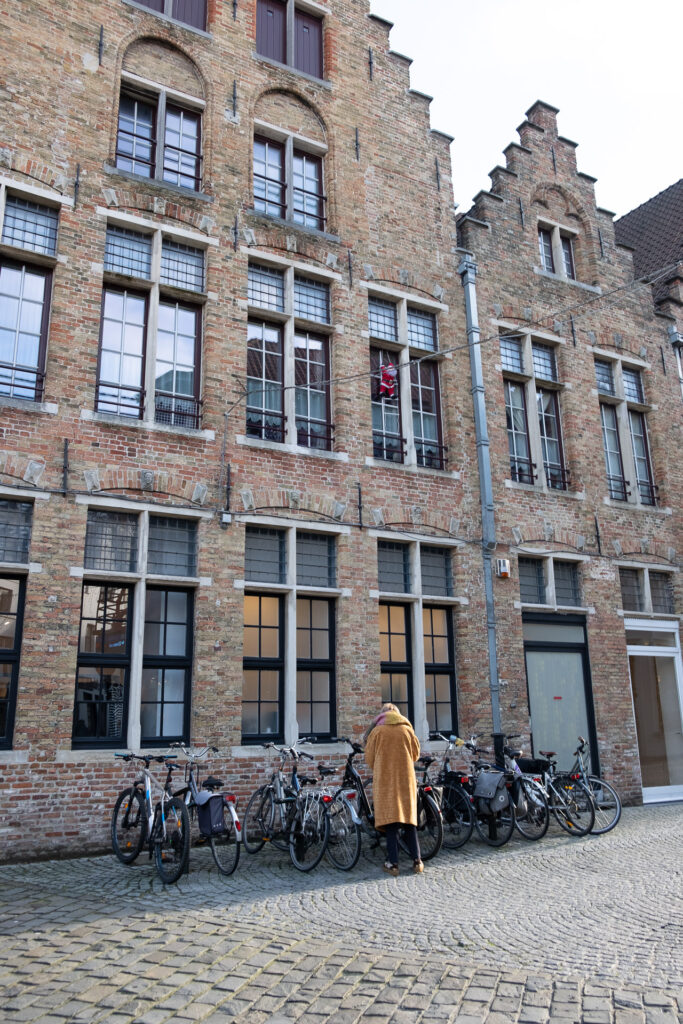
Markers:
<point>190,792</point>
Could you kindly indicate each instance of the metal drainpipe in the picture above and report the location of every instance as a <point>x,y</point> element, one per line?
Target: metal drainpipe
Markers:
<point>468,274</point>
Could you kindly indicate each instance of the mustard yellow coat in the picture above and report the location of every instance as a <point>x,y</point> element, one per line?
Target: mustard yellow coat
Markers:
<point>391,751</point>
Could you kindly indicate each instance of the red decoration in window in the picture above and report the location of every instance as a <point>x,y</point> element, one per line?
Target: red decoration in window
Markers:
<point>387,384</point>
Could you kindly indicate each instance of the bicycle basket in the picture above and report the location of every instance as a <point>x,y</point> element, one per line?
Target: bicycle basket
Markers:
<point>210,814</point>
<point>533,765</point>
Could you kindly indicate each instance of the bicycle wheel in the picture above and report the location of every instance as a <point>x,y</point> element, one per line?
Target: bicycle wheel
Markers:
<point>344,844</point>
<point>533,824</point>
<point>495,829</point>
<point>607,805</point>
<point>225,846</point>
<point>429,827</point>
<point>258,820</point>
<point>309,834</point>
<point>128,825</point>
<point>458,817</point>
<point>172,850</point>
<point>572,805</point>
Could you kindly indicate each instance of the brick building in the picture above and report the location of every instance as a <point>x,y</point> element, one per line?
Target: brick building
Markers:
<point>239,495</point>
<point>585,416</point>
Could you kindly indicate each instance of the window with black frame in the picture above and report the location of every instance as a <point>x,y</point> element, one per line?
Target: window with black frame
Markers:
<point>439,655</point>
<point>315,689</point>
<point>16,518</point>
<point>159,139</point>
<point>263,668</point>
<point>12,598</point>
<point>102,679</point>
<point>265,381</point>
<point>167,665</point>
<point>396,667</point>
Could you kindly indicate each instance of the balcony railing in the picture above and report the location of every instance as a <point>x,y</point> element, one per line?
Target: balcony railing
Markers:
<point>389,447</point>
<point>523,471</point>
<point>556,477</point>
<point>119,399</point>
<point>310,434</point>
<point>25,382</point>
<point>178,410</point>
<point>431,455</point>
<point>649,493</point>
<point>618,488</point>
<point>269,426</point>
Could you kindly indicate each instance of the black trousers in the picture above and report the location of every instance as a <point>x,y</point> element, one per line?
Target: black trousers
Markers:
<point>410,836</point>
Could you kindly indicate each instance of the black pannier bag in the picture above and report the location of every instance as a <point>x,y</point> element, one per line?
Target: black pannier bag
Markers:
<point>533,765</point>
<point>491,792</point>
<point>210,814</point>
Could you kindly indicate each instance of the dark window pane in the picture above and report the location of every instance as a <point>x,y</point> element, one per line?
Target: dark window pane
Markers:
<point>24,295</point>
<point>383,319</point>
<point>604,377</point>
<point>265,417</point>
<point>266,287</point>
<point>531,581</point>
<point>111,541</point>
<point>312,395</point>
<point>263,666</point>
<point>315,560</point>
<point>271,23</point>
<point>182,141</point>
<point>437,573</point>
<point>393,567</point>
<point>662,593</point>
<point>30,225</point>
<point>307,190</point>
<point>167,664</point>
<point>176,397</point>
<point>511,353</point>
<point>308,44</point>
<point>136,138</point>
<point>122,348</point>
<point>544,360</point>
<point>265,555</point>
<point>632,598</point>
<point>568,256</point>
<point>15,530</point>
<point>269,177</point>
<point>172,547</point>
<point>633,386</point>
<point>128,252</point>
<point>422,329</point>
<point>182,266</point>
<point>566,583</point>
<point>387,441</point>
<point>545,245</point>
<point>311,300</point>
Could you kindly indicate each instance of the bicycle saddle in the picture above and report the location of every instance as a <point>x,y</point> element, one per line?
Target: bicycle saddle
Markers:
<point>306,780</point>
<point>324,770</point>
<point>547,753</point>
<point>513,753</point>
<point>212,783</point>
<point>426,760</point>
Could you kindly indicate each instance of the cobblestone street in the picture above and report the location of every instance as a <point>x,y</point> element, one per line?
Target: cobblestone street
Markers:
<point>587,930</point>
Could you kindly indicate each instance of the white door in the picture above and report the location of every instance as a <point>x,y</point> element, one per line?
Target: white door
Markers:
<point>657,687</point>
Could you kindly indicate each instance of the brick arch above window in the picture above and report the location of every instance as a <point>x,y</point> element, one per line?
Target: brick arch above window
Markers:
<point>159,61</point>
<point>292,114</point>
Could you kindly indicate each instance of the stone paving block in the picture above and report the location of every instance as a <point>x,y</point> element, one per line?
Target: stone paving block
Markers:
<point>533,1015</point>
<point>477,994</point>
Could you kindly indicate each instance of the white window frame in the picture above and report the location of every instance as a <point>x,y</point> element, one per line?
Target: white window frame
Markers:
<point>290,589</point>
<point>529,381</point>
<point>548,559</point>
<point>405,353</point>
<point>138,581</point>
<point>152,286</point>
<point>623,406</point>
<point>417,600</point>
<point>289,324</point>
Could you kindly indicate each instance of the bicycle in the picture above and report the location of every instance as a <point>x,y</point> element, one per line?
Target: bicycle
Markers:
<point>532,814</point>
<point>215,812</point>
<point>568,798</point>
<point>606,800</point>
<point>287,815</point>
<point>164,825</point>
<point>489,789</point>
<point>456,805</point>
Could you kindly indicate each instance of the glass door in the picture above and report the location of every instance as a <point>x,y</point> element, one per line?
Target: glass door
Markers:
<point>657,686</point>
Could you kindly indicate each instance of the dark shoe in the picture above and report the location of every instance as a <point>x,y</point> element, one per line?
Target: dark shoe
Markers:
<point>391,869</point>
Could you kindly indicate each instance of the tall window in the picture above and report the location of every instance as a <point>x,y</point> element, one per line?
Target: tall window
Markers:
<point>624,432</point>
<point>288,365</point>
<point>144,547</point>
<point>25,287</point>
<point>531,379</point>
<point>150,340</point>
<point>556,250</point>
<point>12,597</point>
<point>189,12</point>
<point>288,182</point>
<point>399,333</point>
<point>290,577</point>
<point>159,138</point>
<point>549,581</point>
<point>416,634</point>
<point>290,36</point>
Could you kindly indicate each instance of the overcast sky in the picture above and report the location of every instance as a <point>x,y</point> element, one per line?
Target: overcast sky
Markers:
<point>613,67</point>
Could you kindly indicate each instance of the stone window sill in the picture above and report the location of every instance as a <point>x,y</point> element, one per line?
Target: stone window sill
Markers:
<point>516,485</point>
<point>634,506</point>
<point>564,608</point>
<point>269,219</point>
<point>324,83</point>
<point>157,183</point>
<point>26,405</point>
<point>158,428</point>
<point>290,449</point>
<point>567,280</point>
<point>411,467</point>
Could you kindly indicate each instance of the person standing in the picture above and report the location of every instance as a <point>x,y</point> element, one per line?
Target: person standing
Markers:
<point>392,748</point>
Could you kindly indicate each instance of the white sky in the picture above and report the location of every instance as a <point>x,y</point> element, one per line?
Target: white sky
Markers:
<point>613,67</point>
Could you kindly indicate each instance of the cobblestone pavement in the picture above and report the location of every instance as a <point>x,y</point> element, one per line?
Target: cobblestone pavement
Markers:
<point>586,930</point>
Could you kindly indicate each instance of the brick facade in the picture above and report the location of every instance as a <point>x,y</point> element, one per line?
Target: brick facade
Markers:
<point>389,235</point>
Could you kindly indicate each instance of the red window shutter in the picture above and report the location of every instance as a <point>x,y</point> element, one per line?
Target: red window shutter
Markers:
<point>308,44</point>
<point>190,12</point>
<point>271,29</point>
